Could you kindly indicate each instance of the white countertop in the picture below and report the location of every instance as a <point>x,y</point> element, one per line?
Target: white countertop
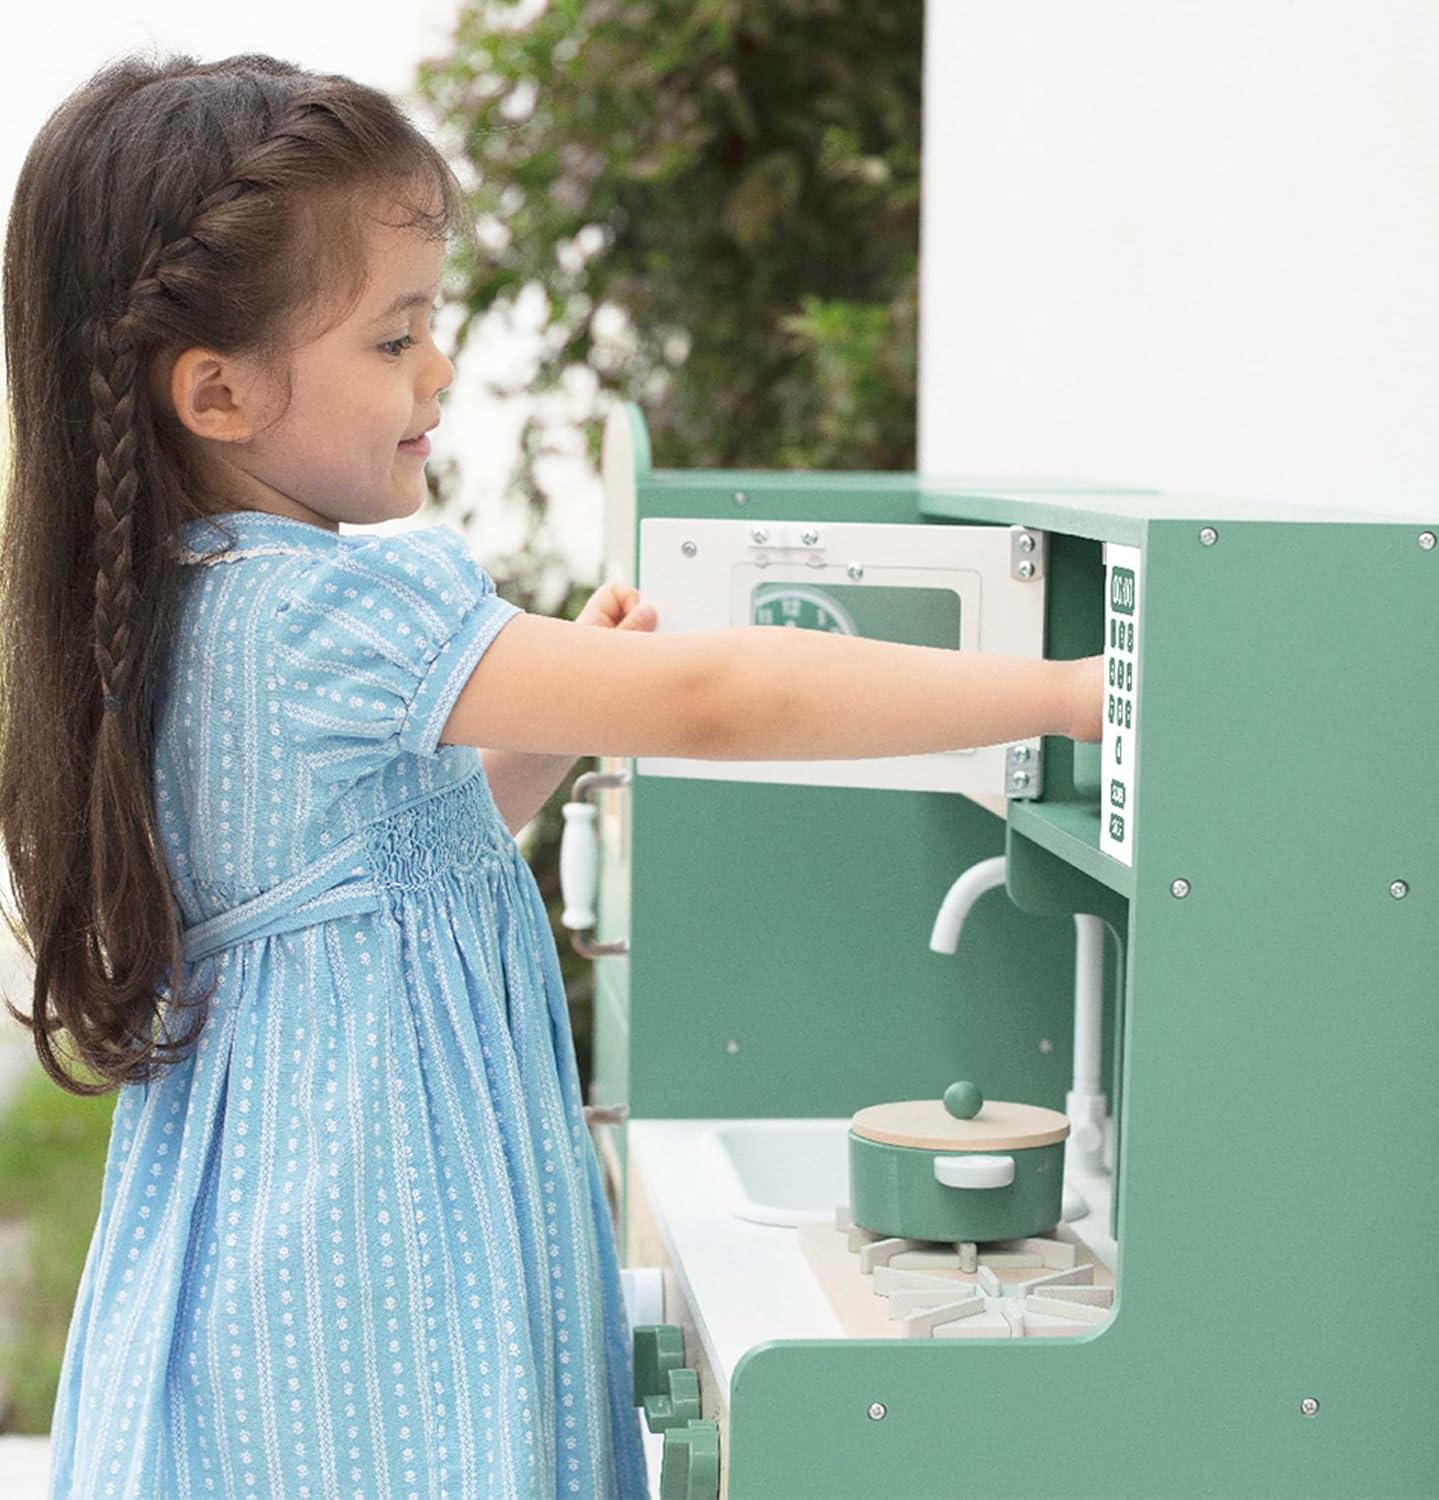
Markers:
<point>746,1284</point>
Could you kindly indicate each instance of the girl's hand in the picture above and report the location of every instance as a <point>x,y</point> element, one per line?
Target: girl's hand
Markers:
<point>617,606</point>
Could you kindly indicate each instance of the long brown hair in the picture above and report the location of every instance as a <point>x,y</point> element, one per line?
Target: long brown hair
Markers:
<point>164,205</point>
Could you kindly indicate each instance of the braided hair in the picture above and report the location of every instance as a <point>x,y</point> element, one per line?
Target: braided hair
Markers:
<point>165,205</point>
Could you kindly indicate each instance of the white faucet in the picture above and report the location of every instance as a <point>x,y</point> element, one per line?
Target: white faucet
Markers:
<point>960,897</point>
<point>1085,1103</point>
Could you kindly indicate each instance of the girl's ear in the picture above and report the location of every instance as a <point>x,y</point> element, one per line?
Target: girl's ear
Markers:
<point>212,395</point>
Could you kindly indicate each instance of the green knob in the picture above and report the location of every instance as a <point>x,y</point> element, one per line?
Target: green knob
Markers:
<point>963,1100</point>
<point>678,1405</point>
<point>689,1468</point>
<point>659,1348</point>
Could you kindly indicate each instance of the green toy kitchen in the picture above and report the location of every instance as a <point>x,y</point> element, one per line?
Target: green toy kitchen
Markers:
<point>1040,1120</point>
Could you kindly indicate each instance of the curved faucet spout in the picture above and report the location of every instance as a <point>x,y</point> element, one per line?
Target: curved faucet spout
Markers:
<point>1085,1103</point>
<point>960,897</point>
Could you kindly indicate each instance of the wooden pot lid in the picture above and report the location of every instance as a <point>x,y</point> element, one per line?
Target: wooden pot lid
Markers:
<point>927,1125</point>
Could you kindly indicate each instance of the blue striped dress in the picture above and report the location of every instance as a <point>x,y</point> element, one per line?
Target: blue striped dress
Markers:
<point>356,1244</point>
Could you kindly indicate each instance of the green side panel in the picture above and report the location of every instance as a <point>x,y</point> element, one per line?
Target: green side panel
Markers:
<point>610,1065</point>
<point>1279,1054</point>
<point>780,959</point>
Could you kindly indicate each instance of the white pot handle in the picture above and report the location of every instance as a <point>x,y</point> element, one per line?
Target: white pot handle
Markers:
<point>974,1171</point>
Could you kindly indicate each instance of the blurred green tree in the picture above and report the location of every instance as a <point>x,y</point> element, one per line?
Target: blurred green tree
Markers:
<point>719,203</point>
<point>710,207</point>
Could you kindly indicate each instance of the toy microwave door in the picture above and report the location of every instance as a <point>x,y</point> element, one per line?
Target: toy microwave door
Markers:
<point>965,588</point>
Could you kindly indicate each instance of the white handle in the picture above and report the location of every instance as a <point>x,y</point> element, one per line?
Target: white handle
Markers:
<point>579,865</point>
<point>974,1171</point>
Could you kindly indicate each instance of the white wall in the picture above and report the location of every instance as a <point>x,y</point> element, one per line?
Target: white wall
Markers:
<point>1185,243</point>
<point>51,49</point>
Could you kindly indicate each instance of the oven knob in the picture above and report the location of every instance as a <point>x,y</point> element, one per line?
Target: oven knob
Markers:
<point>659,1348</point>
<point>676,1406</point>
<point>689,1469</point>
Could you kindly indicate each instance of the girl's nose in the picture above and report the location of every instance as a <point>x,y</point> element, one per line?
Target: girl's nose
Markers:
<point>439,373</point>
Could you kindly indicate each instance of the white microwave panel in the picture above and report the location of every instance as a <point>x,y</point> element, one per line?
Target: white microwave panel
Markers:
<point>966,588</point>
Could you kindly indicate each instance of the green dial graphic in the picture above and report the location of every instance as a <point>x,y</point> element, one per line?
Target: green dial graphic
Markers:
<point>909,615</point>
<point>800,607</point>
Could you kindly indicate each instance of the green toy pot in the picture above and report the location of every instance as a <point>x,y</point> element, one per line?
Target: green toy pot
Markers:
<point>917,1172</point>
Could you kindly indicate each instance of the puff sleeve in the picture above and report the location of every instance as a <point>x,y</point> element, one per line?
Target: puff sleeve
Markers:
<point>373,644</point>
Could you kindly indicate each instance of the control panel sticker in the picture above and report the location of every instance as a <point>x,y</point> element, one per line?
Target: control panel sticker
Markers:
<point>1121,706</point>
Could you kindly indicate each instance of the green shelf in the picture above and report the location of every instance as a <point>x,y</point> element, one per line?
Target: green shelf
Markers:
<point>1070,830</point>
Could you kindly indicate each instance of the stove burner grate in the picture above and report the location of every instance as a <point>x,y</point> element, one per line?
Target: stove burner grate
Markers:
<point>1039,1287</point>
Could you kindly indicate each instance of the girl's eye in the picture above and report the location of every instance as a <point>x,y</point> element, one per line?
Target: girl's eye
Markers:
<point>396,347</point>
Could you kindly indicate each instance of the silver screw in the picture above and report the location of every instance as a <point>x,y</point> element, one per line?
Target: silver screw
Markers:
<point>1045,1045</point>
<point>1025,569</point>
<point>810,538</point>
<point>1019,780</point>
<point>1399,889</point>
<point>876,1411</point>
<point>740,498</point>
<point>855,571</point>
<point>1309,1406</point>
<point>1426,540</point>
<point>759,536</point>
<point>1025,542</point>
<point>688,548</point>
<point>1021,753</point>
<point>1179,888</point>
<point>731,1047</point>
<point>1209,536</point>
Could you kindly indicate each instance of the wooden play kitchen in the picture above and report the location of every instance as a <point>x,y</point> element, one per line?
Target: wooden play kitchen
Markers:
<point>1159,1241</point>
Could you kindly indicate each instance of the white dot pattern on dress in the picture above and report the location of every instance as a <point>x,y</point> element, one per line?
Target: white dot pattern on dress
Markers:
<point>356,1244</point>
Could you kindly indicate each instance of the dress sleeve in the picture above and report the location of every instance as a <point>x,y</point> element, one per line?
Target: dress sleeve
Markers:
<point>373,644</point>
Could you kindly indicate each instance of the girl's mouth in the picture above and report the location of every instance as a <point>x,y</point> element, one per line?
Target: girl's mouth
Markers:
<point>417,447</point>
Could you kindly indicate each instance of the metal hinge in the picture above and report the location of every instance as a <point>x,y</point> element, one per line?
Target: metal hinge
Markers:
<point>1028,554</point>
<point>1024,770</point>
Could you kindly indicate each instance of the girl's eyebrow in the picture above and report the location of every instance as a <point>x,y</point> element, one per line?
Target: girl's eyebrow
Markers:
<point>404,302</point>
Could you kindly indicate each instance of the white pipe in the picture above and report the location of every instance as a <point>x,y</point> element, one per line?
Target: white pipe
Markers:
<point>1088,1000</point>
<point>1085,1104</point>
<point>960,897</point>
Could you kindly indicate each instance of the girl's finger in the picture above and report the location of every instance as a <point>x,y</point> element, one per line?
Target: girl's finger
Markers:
<point>642,615</point>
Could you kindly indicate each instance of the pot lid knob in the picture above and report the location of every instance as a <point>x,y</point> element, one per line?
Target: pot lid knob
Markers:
<point>963,1099</point>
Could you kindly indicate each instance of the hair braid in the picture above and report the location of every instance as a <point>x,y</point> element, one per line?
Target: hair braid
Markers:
<point>115,389</point>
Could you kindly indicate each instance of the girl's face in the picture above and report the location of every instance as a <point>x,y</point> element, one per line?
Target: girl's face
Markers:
<point>340,424</point>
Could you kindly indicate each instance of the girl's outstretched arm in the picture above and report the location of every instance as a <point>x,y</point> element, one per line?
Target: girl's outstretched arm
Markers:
<point>758,693</point>
<point>521,782</point>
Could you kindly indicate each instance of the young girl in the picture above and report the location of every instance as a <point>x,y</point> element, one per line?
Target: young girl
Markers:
<point>352,1240</point>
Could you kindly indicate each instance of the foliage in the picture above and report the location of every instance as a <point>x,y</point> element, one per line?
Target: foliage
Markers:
<point>707,206</point>
<point>717,199</point>
<point>52,1161</point>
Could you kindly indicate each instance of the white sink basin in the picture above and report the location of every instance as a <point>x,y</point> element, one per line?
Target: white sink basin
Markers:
<point>781,1171</point>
